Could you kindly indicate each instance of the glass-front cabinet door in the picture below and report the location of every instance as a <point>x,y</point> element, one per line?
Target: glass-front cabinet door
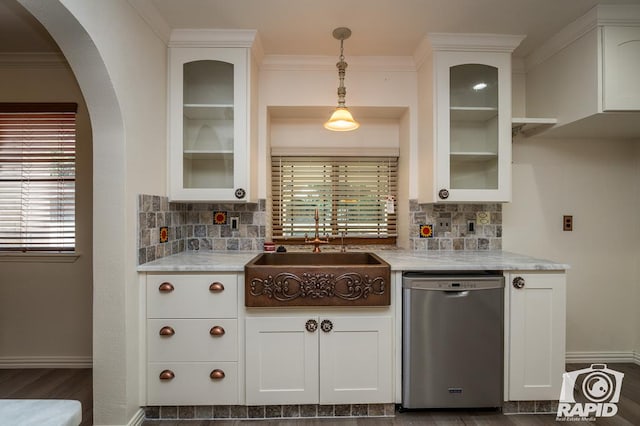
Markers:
<point>473,127</point>
<point>208,124</point>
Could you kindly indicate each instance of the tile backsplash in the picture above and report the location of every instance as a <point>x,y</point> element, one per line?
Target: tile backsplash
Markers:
<point>485,234</point>
<point>243,226</point>
<point>191,226</point>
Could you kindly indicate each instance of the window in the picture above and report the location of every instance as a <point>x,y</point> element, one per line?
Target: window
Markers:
<point>350,193</point>
<point>37,177</point>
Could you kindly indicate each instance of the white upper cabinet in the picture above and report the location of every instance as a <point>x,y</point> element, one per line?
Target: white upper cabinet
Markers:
<point>465,119</point>
<point>211,141</point>
<point>586,75</point>
<point>620,67</point>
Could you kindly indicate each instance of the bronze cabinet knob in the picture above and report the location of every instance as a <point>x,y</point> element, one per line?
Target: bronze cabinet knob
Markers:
<point>217,374</point>
<point>167,375</point>
<point>217,331</point>
<point>216,287</point>
<point>518,282</point>
<point>326,326</point>
<point>443,194</point>
<point>167,331</point>
<point>311,325</point>
<point>166,287</point>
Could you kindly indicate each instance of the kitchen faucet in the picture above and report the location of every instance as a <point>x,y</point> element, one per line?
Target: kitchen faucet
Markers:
<point>316,241</point>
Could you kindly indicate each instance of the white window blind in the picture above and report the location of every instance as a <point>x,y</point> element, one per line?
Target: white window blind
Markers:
<point>37,180</point>
<point>350,193</point>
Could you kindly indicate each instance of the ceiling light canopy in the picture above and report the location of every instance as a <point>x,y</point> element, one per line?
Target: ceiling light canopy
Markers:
<point>341,120</point>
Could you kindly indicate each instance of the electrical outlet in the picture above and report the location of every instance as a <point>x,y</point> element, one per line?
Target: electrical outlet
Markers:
<point>483,218</point>
<point>443,225</point>
<point>567,223</point>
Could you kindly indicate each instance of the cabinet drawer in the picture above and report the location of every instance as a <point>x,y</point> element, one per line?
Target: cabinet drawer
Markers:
<point>192,296</point>
<point>191,384</point>
<point>192,340</point>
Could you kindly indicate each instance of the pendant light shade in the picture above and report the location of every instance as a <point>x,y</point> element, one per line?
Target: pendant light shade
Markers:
<point>341,120</point>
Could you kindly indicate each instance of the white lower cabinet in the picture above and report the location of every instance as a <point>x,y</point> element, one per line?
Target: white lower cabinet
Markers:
<point>193,342</point>
<point>536,336</point>
<point>326,359</point>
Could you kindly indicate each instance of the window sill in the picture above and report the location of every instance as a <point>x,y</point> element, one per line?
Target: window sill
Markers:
<point>39,257</point>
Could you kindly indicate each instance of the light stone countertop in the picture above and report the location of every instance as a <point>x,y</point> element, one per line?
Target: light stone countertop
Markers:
<point>400,260</point>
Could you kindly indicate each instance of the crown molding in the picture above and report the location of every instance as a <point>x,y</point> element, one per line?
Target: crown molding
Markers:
<point>210,37</point>
<point>33,60</point>
<point>328,63</point>
<point>610,15</point>
<point>471,42</point>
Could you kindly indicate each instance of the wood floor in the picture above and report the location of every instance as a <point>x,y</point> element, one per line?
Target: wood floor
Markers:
<point>77,384</point>
<point>63,383</point>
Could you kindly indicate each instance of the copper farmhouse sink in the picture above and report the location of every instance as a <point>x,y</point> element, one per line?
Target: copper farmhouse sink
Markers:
<point>317,279</point>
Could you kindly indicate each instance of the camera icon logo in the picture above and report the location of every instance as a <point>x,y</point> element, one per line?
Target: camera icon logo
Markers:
<point>600,388</point>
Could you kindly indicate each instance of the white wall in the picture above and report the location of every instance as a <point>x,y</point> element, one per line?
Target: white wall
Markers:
<point>46,307</point>
<point>596,181</point>
<point>313,81</point>
<point>120,65</point>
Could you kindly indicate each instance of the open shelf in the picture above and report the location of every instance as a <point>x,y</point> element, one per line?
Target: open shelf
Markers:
<point>530,126</point>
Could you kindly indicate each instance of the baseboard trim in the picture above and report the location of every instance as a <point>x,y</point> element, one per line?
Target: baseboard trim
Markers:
<point>137,418</point>
<point>46,362</point>
<point>594,357</point>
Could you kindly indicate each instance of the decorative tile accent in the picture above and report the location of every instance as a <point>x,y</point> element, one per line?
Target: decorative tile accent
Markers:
<point>219,218</point>
<point>426,231</point>
<point>529,407</point>
<point>204,411</point>
<point>486,235</point>
<point>290,411</point>
<point>342,410</point>
<point>164,234</point>
<point>208,412</point>
<point>272,411</point>
<point>256,412</point>
<point>166,228</point>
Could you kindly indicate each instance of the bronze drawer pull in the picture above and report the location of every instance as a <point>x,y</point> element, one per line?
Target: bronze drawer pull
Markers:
<point>167,331</point>
<point>216,287</point>
<point>217,374</point>
<point>167,375</point>
<point>217,331</point>
<point>166,287</point>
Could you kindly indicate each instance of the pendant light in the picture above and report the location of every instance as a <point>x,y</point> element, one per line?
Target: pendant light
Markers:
<point>341,120</point>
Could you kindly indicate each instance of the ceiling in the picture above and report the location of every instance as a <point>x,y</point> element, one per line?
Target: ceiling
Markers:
<point>304,27</point>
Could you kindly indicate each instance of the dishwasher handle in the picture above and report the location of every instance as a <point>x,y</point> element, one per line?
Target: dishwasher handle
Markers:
<point>456,293</point>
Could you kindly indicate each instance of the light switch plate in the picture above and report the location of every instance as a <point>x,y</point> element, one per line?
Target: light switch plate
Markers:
<point>234,223</point>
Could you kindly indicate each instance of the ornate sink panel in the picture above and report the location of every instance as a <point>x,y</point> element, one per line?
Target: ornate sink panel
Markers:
<point>317,279</point>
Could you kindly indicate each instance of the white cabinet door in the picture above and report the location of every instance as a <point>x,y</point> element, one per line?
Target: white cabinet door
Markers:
<point>208,124</point>
<point>473,126</point>
<point>621,62</point>
<point>537,335</point>
<point>356,361</point>
<point>281,361</point>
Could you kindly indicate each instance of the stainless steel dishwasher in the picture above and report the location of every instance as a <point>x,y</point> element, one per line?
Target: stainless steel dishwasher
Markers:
<point>452,340</point>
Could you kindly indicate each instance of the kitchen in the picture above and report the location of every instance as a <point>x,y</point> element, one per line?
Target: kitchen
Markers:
<point>552,177</point>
